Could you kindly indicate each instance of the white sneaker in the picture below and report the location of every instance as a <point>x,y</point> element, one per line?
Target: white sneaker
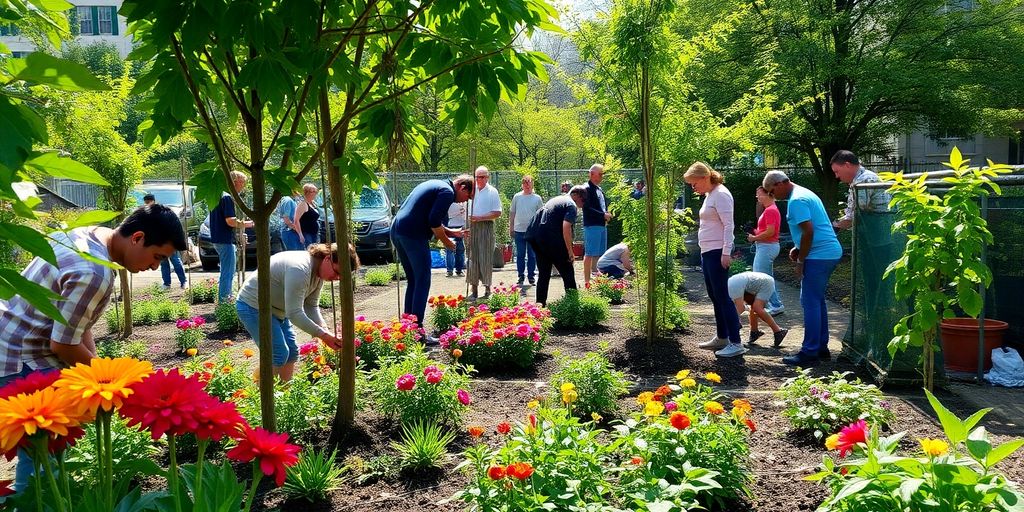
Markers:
<point>733,350</point>
<point>774,311</point>
<point>714,343</point>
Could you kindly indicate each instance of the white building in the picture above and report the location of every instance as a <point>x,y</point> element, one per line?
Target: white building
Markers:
<point>93,20</point>
<point>920,148</point>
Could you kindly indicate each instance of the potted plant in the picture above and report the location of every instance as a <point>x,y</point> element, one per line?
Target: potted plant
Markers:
<point>940,268</point>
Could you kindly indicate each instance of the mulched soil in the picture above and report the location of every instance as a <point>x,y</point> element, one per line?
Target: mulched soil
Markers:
<point>780,459</point>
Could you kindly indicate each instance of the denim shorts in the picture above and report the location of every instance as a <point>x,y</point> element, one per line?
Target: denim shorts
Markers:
<point>595,240</point>
<point>282,335</point>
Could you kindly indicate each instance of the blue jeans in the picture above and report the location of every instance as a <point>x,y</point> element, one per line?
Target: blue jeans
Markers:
<point>812,299</point>
<point>226,252</point>
<point>456,260</point>
<point>165,269</point>
<point>414,254</point>
<point>290,240</point>
<point>526,259</point>
<point>764,262</point>
<point>25,468</point>
<point>282,336</point>
<point>612,272</point>
<point>716,279</point>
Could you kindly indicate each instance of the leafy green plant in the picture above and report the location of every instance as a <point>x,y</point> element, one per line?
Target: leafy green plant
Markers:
<point>379,276</point>
<point>326,300</point>
<point>130,446</point>
<point>955,473</point>
<point>314,475</point>
<point>189,333</point>
<point>820,405</point>
<point>379,467</point>
<point>598,385</point>
<point>118,347</point>
<point>941,265</point>
<point>227,317</point>
<point>612,289</point>
<point>414,388</point>
<point>738,266</point>
<point>144,313</point>
<point>504,296</point>
<point>202,292</point>
<point>423,445</point>
<point>578,310</point>
<point>167,310</point>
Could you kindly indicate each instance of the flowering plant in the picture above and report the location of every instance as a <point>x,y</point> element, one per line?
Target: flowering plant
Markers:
<point>223,375</point>
<point>377,340</point>
<point>822,404</point>
<point>608,287</point>
<point>955,473</point>
<point>448,310</point>
<point>417,389</point>
<point>495,338</point>
<point>597,383</point>
<point>503,296</point>
<point>189,333</point>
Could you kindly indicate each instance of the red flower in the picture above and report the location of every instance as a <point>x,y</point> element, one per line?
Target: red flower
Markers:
<point>208,365</point>
<point>751,425</point>
<point>494,472</point>
<point>476,431</point>
<point>5,485</point>
<point>851,435</point>
<point>218,420</point>
<point>679,420</point>
<point>399,346</point>
<point>636,461</point>
<point>274,452</point>
<point>30,383</point>
<point>520,470</point>
<point>503,428</point>
<point>167,402</point>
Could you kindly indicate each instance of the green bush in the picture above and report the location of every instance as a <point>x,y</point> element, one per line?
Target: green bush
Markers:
<point>578,310</point>
<point>598,385</point>
<point>145,313</point>
<point>423,445</point>
<point>302,406</point>
<point>313,476</point>
<point>821,405</point>
<point>379,276</point>
<point>202,292</point>
<point>117,347</point>
<point>168,311</point>
<point>326,300</point>
<point>401,387</point>
<point>227,317</point>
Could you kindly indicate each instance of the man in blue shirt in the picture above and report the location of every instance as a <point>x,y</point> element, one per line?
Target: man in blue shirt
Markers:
<point>222,233</point>
<point>289,231</point>
<point>816,254</point>
<point>423,215</point>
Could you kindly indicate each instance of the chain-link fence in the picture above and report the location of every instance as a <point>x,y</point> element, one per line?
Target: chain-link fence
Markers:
<point>874,307</point>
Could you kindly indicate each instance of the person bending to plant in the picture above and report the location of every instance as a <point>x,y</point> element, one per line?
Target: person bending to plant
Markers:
<point>550,235</point>
<point>296,279</point>
<point>755,289</point>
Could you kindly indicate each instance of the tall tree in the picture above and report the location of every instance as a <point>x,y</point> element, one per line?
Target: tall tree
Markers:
<point>274,69</point>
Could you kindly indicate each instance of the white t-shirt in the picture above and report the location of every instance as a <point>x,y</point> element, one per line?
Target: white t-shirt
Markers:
<point>457,215</point>
<point>486,201</point>
<point>524,206</point>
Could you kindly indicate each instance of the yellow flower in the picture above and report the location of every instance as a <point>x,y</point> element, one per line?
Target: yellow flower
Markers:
<point>644,397</point>
<point>52,410</point>
<point>567,386</point>
<point>532,404</point>
<point>316,374</point>
<point>683,374</point>
<point>713,377</point>
<point>934,447</point>
<point>741,407</point>
<point>248,352</point>
<point>832,442</point>
<point>688,383</point>
<point>653,408</point>
<point>596,417</point>
<point>714,408</point>
<point>569,396</point>
<point>192,352</point>
<point>104,383</point>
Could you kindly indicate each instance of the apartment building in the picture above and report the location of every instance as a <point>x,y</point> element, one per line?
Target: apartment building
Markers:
<point>91,21</point>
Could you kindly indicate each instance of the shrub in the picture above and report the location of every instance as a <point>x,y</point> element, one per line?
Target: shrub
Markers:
<point>672,314</point>
<point>167,310</point>
<point>376,340</point>
<point>379,276</point>
<point>821,405</point>
<point>117,347</point>
<point>504,296</point>
<point>223,374</point>
<point>313,476</point>
<point>449,310</point>
<point>414,388</point>
<point>955,473</point>
<point>144,313</point>
<point>496,339</point>
<point>578,310</point>
<point>423,445</point>
<point>202,292</point>
<point>738,266</point>
<point>189,334</point>
<point>326,300</point>
<point>596,383</point>
<point>608,287</point>
<point>227,317</point>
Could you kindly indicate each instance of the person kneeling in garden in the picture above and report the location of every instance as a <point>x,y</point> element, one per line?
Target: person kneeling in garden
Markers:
<point>296,278</point>
<point>616,261</point>
<point>550,235</point>
<point>755,288</point>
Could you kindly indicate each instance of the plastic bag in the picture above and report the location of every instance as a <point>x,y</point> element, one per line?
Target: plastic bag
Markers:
<point>1007,368</point>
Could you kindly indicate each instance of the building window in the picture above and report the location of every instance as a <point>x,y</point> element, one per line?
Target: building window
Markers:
<point>20,55</point>
<point>85,21</point>
<point>9,29</point>
<point>106,25</point>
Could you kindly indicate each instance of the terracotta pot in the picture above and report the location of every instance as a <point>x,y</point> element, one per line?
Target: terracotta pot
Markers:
<point>507,253</point>
<point>577,249</point>
<point>960,342</point>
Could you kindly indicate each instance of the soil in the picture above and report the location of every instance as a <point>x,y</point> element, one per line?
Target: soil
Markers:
<point>780,459</point>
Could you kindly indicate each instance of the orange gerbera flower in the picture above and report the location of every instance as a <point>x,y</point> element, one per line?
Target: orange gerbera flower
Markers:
<point>49,409</point>
<point>743,406</point>
<point>104,383</point>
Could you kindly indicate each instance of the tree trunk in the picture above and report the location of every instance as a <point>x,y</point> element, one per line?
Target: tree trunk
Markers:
<point>126,299</point>
<point>651,326</point>
<point>261,224</point>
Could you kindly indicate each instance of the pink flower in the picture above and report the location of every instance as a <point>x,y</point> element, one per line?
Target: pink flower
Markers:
<point>430,369</point>
<point>463,397</point>
<point>198,320</point>
<point>406,382</point>
<point>536,337</point>
<point>523,330</point>
<point>670,406</point>
<point>308,348</point>
<point>360,318</point>
<point>434,377</point>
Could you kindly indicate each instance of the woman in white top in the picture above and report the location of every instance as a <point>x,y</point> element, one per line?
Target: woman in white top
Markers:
<point>715,237</point>
<point>296,278</point>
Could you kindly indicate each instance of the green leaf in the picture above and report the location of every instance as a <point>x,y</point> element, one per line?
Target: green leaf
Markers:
<point>951,425</point>
<point>969,298</point>
<point>12,283</point>
<point>908,488</point>
<point>62,167</point>
<point>281,179</point>
<point>978,443</point>
<point>92,218</point>
<point>20,129</point>
<point>1003,451</point>
<point>41,68</point>
<point>30,240</point>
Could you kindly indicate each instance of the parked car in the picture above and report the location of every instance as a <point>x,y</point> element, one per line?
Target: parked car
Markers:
<point>178,198</point>
<point>208,254</point>
<point>371,223</point>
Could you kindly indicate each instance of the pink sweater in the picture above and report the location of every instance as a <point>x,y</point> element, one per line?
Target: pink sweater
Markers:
<point>716,224</point>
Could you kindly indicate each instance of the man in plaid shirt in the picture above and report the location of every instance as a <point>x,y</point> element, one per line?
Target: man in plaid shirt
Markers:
<point>30,341</point>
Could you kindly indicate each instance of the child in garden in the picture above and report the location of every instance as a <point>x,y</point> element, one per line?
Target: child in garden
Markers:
<point>755,289</point>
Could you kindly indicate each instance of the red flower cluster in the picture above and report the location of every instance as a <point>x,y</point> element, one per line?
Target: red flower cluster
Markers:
<point>679,420</point>
<point>518,470</point>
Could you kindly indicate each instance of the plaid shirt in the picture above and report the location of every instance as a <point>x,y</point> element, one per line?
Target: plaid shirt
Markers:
<point>25,333</point>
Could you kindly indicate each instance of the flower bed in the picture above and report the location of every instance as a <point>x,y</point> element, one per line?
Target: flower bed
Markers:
<point>377,340</point>
<point>820,405</point>
<point>414,388</point>
<point>608,287</point>
<point>496,338</point>
<point>449,310</point>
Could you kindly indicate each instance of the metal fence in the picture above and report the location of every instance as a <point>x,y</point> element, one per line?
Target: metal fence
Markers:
<point>84,195</point>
